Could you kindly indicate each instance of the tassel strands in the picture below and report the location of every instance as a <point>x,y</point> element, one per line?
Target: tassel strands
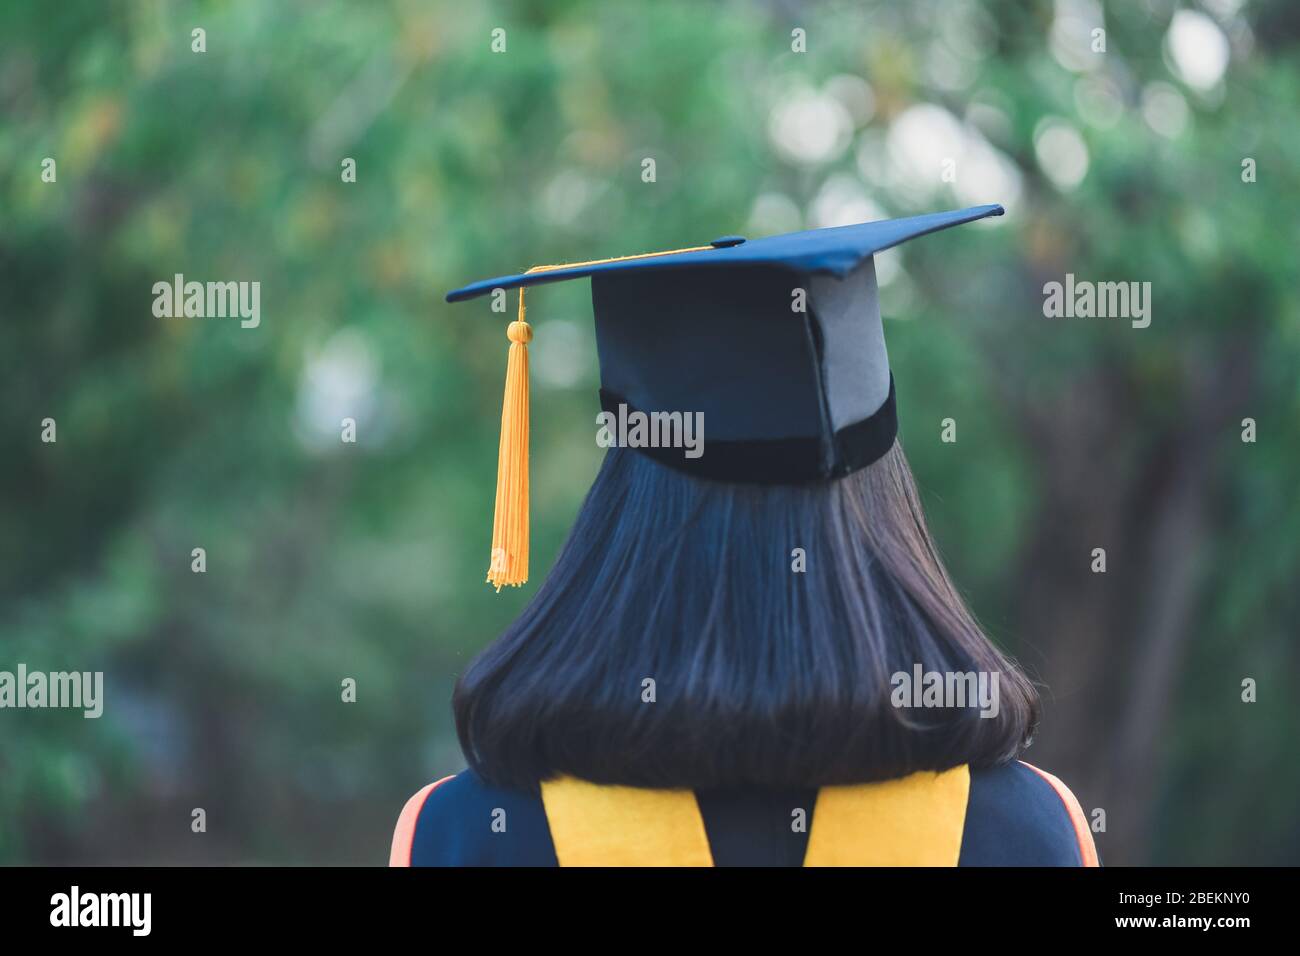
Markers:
<point>510,520</point>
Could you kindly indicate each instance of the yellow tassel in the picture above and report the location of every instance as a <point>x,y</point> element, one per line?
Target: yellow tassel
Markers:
<point>510,520</point>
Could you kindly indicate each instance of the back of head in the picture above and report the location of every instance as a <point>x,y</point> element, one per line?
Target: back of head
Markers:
<point>697,633</point>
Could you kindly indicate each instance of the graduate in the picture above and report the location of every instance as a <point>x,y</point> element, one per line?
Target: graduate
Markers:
<point>748,652</point>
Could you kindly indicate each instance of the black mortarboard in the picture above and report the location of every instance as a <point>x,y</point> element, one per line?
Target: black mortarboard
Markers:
<point>777,343</point>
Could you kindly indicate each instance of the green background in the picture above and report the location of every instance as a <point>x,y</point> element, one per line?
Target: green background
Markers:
<point>329,561</point>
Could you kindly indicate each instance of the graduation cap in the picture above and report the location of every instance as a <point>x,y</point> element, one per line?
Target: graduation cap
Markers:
<point>775,345</point>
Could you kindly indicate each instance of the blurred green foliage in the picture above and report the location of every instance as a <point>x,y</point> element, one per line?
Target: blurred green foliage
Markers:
<point>328,561</point>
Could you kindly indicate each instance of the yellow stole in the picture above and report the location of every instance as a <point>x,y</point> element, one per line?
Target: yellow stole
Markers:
<point>914,821</point>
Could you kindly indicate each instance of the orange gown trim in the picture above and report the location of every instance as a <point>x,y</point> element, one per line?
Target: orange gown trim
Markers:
<point>1082,832</point>
<point>404,832</point>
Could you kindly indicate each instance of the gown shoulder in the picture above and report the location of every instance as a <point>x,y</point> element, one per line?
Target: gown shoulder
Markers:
<point>1018,815</point>
<point>463,821</point>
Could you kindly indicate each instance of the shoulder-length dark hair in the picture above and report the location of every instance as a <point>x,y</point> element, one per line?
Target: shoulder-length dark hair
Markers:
<point>763,676</point>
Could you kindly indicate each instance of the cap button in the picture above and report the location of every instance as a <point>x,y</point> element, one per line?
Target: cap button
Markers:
<point>726,242</point>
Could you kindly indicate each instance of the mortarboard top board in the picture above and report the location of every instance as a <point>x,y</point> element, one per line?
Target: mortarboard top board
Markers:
<point>774,345</point>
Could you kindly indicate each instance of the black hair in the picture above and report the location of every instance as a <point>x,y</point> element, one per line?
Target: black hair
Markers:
<point>763,675</point>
